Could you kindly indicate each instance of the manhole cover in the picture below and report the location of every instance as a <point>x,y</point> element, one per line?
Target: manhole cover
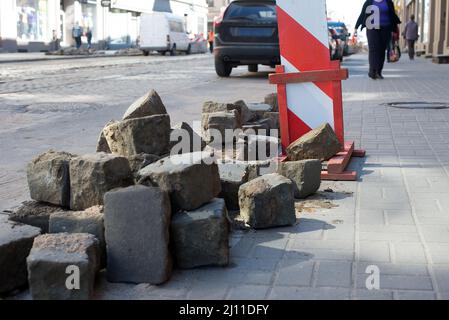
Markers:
<point>419,105</point>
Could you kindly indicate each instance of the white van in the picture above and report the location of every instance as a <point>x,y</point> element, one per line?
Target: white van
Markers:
<point>163,32</point>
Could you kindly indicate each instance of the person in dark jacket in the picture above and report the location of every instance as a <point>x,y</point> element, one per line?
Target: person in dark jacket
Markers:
<point>380,20</point>
<point>89,37</point>
<point>411,35</point>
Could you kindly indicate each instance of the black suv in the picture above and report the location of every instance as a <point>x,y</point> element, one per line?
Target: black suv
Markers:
<point>246,34</point>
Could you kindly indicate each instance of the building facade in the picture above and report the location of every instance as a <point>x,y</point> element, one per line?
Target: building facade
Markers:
<point>27,23</point>
<point>30,25</point>
<point>432,17</point>
<point>216,8</point>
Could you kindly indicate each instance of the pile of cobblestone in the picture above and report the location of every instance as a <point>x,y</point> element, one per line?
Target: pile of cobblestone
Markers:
<point>154,197</point>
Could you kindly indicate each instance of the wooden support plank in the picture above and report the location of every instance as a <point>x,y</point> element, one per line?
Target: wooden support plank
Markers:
<point>344,176</point>
<point>359,153</point>
<point>338,163</point>
<point>309,76</point>
<point>283,113</point>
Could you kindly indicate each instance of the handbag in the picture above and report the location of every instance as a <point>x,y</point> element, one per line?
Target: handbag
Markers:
<point>395,54</point>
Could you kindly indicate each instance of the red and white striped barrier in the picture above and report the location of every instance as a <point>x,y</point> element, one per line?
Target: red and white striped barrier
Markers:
<point>304,45</point>
<point>309,83</point>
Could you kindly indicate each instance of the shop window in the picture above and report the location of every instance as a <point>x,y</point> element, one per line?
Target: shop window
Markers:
<point>32,20</point>
<point>89,17</point>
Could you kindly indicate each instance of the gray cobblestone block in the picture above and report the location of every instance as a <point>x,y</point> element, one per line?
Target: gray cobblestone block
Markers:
<point>219,121</point>
<point>261,167</point>
<point>247,115</point>
<point>191,179</point>
<point>255,127</point>
<point>137,222</point>
<point>272,100</point>
<point>200,237</point>
<point>268,202</point>
<point>320,143</point>
<point>92,175</point>
<point>232,176</point>
<point>139,161</point>
<point>54,257</point>
<point>89,221</point>
<point>102,143</point>
<point>259,109</point>
<point>16,241</point>
<point>36,214</point>
<point>48,178</point>
<point>214,107</point>
<point>306,176</point>
<point>149,135</point>
<point>147,105</point>
<point>258,147</point>
<point>274,118</point>
<point>182,131</point>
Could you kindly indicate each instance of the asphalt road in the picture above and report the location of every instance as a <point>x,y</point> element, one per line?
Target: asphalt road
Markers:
<point>63,104</point>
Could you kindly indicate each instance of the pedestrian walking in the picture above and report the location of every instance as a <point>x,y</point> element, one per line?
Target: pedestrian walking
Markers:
<point>89,37</point>
<point>210,39</point>
<point>411,34</point>
<point>77,32</point>
<point>380,20</point>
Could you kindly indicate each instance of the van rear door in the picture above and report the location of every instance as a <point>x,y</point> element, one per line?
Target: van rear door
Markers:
<point>153,31</point>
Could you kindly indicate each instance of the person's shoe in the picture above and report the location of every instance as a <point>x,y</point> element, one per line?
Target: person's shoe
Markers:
<point>372,75</point>
<point>379,76</point>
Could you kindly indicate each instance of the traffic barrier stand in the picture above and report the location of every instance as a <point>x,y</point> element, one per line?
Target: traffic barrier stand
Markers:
<point>308,82</point>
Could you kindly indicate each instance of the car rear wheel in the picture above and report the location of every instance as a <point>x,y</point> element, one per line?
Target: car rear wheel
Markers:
<point>223,69</point>
<point>253,68</point>
<point>146,53</point>
<point>189,49</point>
